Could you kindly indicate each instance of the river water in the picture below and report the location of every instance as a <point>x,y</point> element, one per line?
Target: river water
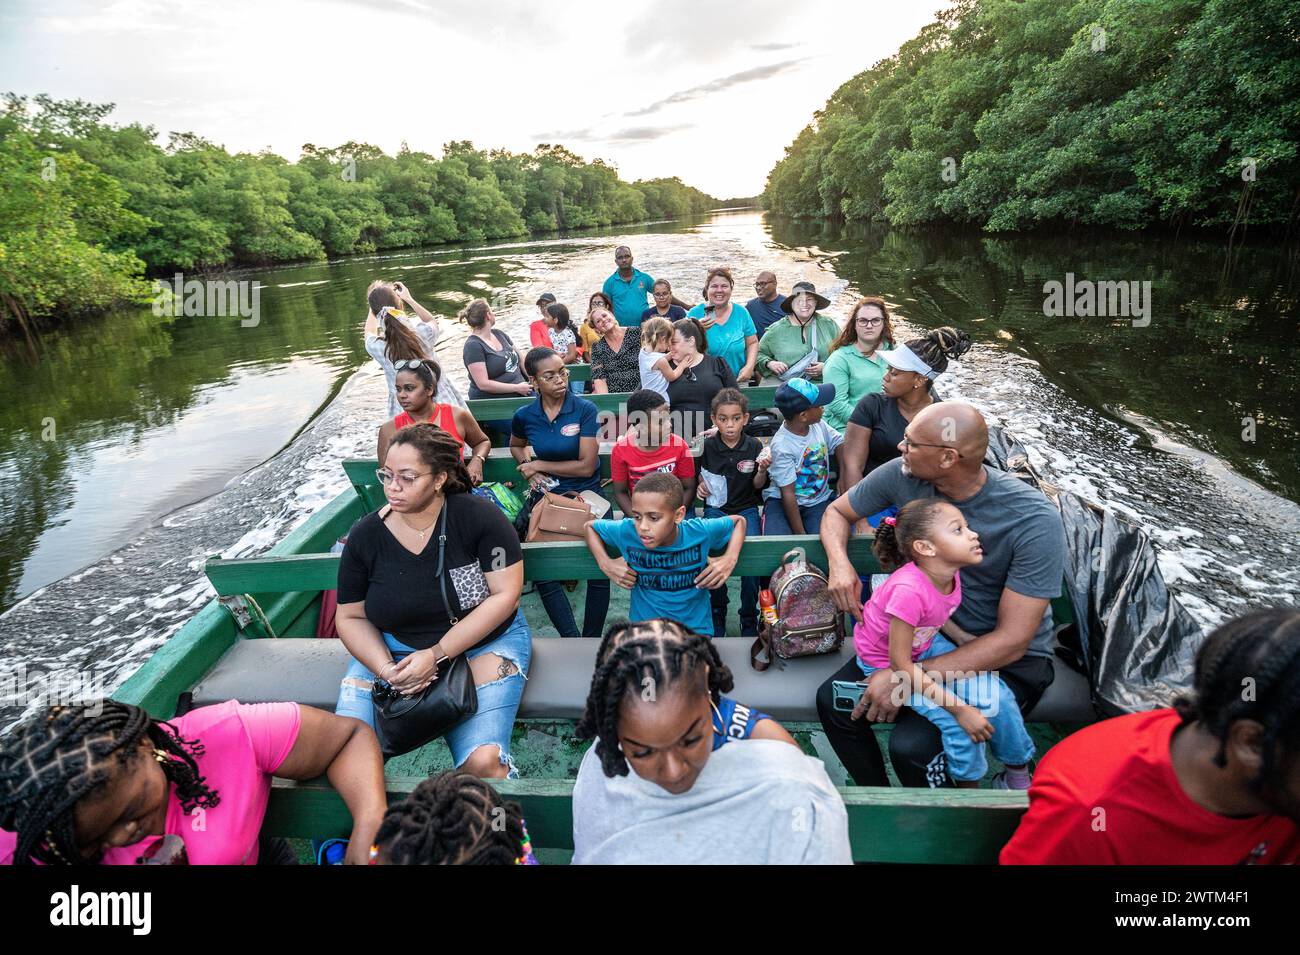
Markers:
<point>134,447</point>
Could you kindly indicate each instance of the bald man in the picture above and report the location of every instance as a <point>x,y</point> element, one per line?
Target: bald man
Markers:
<point>765,307</point>
<point>1006,598</point>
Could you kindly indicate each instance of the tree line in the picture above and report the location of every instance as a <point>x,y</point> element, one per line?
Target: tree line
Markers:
<point>1014,114</point>
<point>90,209</point>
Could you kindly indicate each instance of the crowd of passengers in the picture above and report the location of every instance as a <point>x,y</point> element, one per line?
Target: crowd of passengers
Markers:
<point>687,773</point>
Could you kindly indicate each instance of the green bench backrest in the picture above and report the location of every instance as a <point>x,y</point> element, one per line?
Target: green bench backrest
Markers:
<point>885,825</point>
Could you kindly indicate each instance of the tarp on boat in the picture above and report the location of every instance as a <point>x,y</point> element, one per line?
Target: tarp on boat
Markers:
<point>1134,640</point>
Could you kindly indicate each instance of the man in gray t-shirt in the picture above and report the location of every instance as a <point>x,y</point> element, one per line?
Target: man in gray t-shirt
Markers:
<point>1006,598</point>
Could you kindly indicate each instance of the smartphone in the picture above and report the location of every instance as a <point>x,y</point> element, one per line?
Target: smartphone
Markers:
<point>845,695</point>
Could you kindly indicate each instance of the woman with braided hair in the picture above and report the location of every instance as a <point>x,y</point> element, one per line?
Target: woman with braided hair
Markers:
<point>656,788</point>
<point>100,783</point>
<point>1212,780</point>
<point>878,420</point>
<point>453,819</point>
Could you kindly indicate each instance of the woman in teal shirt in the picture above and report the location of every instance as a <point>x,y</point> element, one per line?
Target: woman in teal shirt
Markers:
<point>729,327</point>
<point>855,367</point>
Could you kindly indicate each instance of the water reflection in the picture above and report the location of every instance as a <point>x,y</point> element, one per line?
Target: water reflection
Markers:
<point>1217,368</point>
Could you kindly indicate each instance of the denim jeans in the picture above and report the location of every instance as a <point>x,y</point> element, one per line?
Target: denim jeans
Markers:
<point>498,700</point>
<point>774,521</point>
<point>986,691</point>
<point>556,602</point>
<point>749,586</point>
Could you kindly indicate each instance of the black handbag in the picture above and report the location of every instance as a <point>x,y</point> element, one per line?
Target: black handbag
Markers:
<point>405,723</point>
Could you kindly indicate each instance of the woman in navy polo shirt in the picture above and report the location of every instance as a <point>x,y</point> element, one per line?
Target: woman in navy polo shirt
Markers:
<point>555,437</point>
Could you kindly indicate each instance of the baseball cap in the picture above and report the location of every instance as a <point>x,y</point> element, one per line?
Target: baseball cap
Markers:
<point>546,299</point>
<point>799,394</point>
<point>904,359</point>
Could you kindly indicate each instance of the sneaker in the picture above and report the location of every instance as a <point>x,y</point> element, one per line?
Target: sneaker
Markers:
<point>1013,781</point>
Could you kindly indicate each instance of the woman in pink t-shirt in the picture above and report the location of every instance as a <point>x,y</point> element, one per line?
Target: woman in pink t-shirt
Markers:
<point>928,542</point>
<point>102,782</point>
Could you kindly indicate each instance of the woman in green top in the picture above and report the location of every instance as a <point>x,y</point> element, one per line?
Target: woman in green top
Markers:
<point>855,367</point>
<point>785,343</point>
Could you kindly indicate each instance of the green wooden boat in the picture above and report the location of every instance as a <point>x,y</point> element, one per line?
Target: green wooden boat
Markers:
<point>255,641</point>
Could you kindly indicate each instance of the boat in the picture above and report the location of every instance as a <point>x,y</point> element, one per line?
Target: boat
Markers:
<point>255,641</point>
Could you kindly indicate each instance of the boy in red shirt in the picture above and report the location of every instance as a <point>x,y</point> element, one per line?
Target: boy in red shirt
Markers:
<point>649,446</point>
<point>1213,781</point>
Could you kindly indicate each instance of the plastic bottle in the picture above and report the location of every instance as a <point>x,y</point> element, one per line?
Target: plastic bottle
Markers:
<point>767,607</point>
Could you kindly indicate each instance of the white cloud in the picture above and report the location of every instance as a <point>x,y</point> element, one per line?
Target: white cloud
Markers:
<point>706,90</point>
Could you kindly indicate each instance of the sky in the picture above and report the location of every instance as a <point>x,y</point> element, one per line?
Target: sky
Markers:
<point>709,91</point>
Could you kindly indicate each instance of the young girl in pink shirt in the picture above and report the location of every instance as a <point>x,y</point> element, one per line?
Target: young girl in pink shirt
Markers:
<point>925,546</point>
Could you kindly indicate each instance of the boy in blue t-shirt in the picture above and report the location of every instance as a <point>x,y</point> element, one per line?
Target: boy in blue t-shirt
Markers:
<point>665,558</point>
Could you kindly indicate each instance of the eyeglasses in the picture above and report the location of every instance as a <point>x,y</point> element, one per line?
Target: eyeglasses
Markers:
<point>869,322</point>
<point>550,377</point>
<point>412,363</point>
<point>406,477</point>
<point>909,444</point>
<point>763,284</point>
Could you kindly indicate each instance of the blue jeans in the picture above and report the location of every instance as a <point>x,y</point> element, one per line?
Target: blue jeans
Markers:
<point>498,700</point>
<point>987,692</point>
<point>556,602</point>
<point>774,521</point>
<point>749,586</point>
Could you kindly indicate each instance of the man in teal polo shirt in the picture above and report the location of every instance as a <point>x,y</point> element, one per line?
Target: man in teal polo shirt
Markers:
<point>628,289</point>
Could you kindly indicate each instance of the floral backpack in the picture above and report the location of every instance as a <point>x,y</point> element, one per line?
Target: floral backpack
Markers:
<point>807,619</point>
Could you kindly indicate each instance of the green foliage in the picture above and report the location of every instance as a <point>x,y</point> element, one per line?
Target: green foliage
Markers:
<point>1011,114</point>
<point>121,204</point>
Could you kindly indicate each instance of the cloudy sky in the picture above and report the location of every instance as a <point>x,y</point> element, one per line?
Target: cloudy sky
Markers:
<point>706,90</point>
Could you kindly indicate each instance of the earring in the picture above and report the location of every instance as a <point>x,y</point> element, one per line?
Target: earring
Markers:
<point>161,755</point>
<point>722,727</point>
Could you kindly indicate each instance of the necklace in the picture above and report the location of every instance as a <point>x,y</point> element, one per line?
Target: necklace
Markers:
<point>419,531</point>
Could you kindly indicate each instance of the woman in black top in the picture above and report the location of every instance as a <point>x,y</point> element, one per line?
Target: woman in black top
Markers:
<point>878,421</point>
<point>434,539</point>
<point>615,359</point>
<point>691,395</point>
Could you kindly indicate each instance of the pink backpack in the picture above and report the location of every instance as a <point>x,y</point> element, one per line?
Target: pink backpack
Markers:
<point>807,619</point>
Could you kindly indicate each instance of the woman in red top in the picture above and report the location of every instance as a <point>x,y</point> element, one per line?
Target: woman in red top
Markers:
<point>1213,781</point>
<point>417,383</point>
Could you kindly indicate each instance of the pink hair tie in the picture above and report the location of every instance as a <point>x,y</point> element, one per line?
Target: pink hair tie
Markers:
<point>891,521</point>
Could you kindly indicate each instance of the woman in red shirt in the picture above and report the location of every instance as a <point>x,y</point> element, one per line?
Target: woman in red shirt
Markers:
<point>1215,780</point>
<point>417,383</point>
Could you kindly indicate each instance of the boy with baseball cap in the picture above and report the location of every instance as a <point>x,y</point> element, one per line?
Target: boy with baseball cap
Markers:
<point>799,489</point>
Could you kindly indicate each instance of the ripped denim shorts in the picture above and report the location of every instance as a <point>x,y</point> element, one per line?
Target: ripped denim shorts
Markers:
<point>498,700</point>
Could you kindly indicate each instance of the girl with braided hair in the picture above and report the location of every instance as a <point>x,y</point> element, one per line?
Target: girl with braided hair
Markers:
<point>453,819</point>
<point>101,782</point>
<point>434,574</point>
<point>878,421</point>
<point>655,788</point>
<point>1212,780</point>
